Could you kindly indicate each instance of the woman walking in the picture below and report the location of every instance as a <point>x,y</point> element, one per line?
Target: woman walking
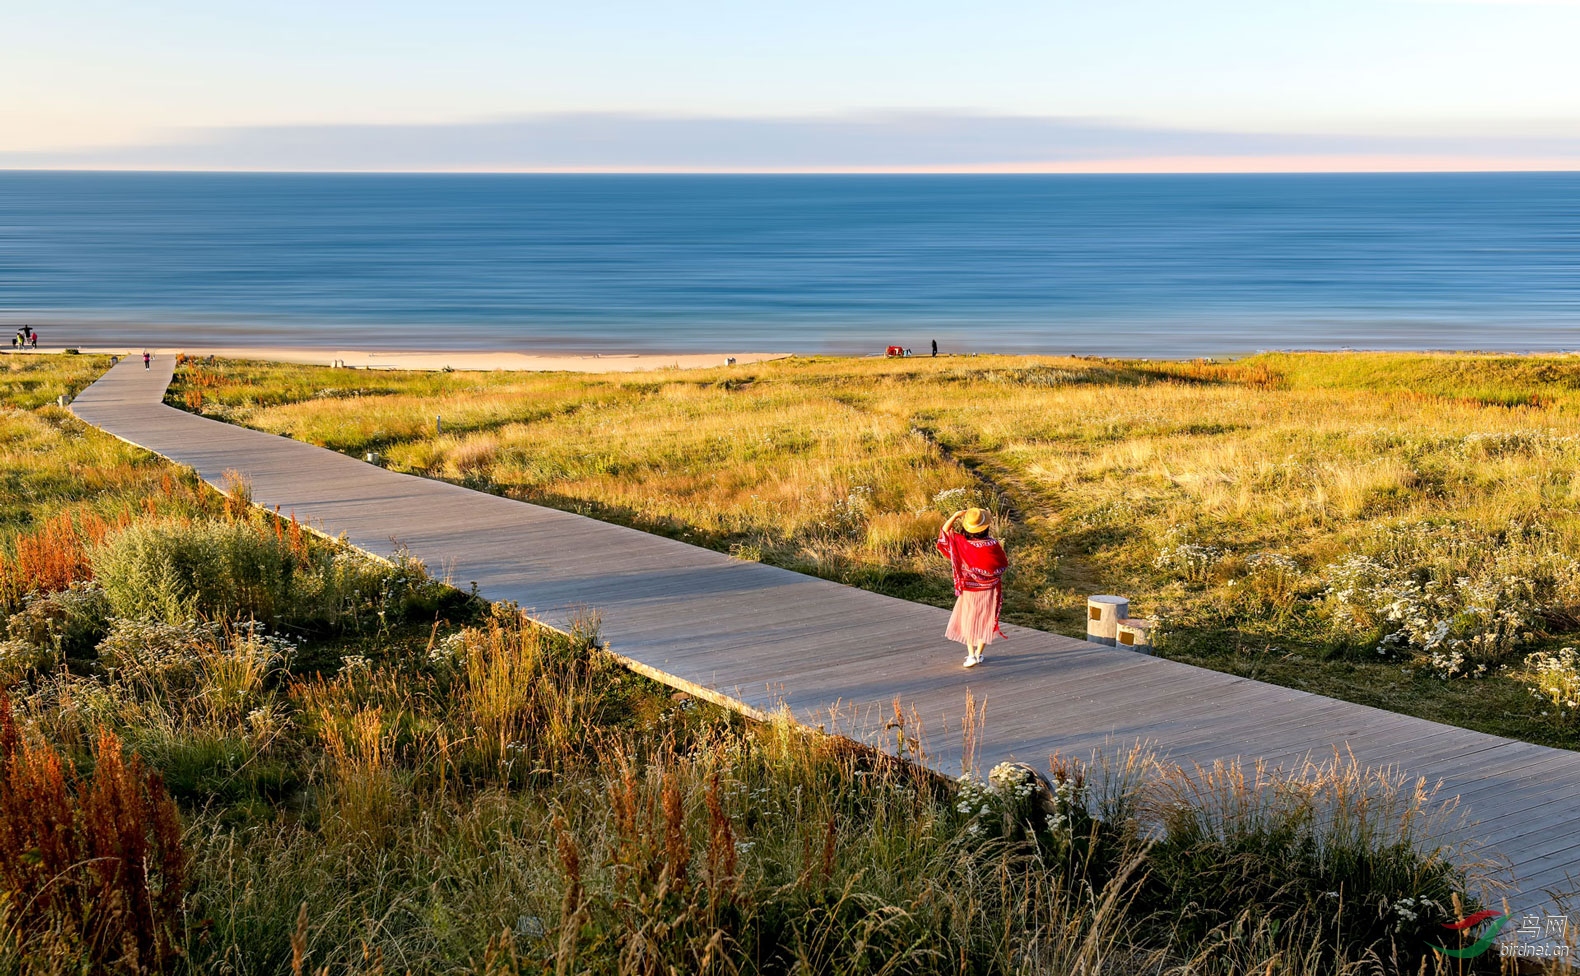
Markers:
<point>977,562</point>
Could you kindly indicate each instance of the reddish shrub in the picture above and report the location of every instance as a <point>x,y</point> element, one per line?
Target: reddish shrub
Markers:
<point>94,866</point>
<point>53,557</point>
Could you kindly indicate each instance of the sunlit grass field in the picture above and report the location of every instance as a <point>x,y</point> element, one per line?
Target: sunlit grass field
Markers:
<point>1393,529</point>
<point>229,746</point>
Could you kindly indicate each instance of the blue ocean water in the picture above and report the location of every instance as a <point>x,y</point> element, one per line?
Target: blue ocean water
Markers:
<point>1118,265</point>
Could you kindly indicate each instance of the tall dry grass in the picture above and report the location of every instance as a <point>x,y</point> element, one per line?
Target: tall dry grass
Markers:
<point>499,798</point>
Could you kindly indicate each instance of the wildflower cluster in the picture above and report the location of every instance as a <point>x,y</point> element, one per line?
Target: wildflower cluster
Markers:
<point>252,639</point>
<point>1463,600</point>
<point>62,623</point>
<point>448,650</point>
<point>156,653</point>
<point>1069,813</point>
<point>19,658</point>
<point>1510,443</point>
<point>402,585</point>
<point>1271,562</point>
<point>1192,560</point>
<point>1555,679</point>
<point>1463,625</point>
<point>1016,801</point>
<point>1407,913</point>
<point>952,500</point>
<point>974,801</point>
<point>267,722</point>
<point>849,514</point>
<point>1003,804</point>
<point>1013,781</point>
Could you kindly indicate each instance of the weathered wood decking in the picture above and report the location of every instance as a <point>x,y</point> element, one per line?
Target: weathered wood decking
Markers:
<point>762,638</point>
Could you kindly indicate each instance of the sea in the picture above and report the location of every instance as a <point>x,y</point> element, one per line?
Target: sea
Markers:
<point>1133,265</point>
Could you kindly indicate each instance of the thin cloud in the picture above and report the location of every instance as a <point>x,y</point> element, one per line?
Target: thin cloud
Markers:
<point>879,141</point>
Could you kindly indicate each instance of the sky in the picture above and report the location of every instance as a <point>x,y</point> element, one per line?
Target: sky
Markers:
<point>814,85</point>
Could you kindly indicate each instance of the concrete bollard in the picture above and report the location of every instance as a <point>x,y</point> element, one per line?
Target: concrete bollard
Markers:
<point>373,457</point>
<point>62,400</point>
<point>1103,614</point>
<point>1134,634</point>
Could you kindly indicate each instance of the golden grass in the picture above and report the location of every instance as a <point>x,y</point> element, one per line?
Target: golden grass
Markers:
<point>844,468</point>
<point>1296,470</point>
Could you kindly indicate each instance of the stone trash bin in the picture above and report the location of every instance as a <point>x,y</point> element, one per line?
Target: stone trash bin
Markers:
<point>1134,634</point>
<point>1103,614</point>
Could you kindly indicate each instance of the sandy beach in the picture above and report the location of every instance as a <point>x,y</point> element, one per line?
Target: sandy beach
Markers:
<point>457,360</point>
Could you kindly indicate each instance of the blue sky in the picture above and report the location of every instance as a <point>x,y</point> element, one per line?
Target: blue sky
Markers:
<point>1121,84</point>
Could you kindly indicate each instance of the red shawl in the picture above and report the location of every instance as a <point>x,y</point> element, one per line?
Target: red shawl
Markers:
<point>977,564</point>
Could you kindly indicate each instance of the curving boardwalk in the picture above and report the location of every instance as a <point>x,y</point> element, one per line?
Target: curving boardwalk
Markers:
<point>758,638</point>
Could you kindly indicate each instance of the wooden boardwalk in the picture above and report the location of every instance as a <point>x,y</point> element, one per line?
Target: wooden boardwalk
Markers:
<point>760,638</point>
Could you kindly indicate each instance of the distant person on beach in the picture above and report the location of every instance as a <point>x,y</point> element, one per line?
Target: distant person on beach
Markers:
<point>32,338</point>
<point>146,358</point>
<point>977,562</point>
<point>935,347</point>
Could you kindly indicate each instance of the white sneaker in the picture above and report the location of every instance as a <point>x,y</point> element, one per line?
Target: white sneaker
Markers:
<point>972,661</point>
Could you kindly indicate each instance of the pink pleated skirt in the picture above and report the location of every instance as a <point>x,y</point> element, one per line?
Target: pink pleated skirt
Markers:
<point>974,620</point>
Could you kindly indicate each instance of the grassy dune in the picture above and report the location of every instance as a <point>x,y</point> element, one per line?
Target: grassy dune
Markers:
<point>229,747</point>
<point>1392,529</point>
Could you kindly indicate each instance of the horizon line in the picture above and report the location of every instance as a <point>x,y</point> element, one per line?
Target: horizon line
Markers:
<point>1175,166</point>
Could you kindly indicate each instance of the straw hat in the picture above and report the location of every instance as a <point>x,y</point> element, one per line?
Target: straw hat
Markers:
<point>974,520</point>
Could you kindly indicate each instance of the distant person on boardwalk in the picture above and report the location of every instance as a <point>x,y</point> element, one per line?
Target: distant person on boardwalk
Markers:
<point>935,347</point>
<point>146,358</point>
<point>977,561</point>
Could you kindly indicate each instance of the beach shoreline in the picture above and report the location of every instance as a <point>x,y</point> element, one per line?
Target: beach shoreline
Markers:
<point>469,360</point>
